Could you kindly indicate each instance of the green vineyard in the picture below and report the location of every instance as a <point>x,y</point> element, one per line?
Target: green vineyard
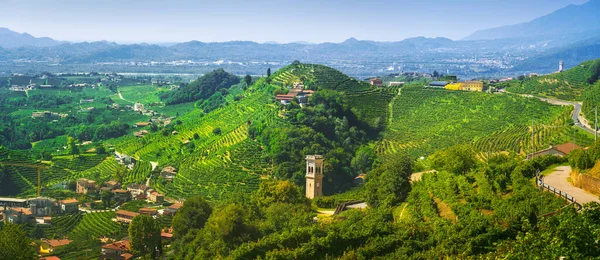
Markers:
<point>96,225</point>
<point>424,120</point>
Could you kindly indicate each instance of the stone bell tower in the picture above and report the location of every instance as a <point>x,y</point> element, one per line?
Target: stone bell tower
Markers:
<point>314,176</point>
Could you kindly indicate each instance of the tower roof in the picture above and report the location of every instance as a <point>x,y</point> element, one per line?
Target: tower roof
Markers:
<point>314,157</point>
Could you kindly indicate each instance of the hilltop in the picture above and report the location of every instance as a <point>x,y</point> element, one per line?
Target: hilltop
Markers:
<point>579,83</point>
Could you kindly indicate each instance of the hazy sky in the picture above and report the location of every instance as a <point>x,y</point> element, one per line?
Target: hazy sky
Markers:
<point>153,21</point>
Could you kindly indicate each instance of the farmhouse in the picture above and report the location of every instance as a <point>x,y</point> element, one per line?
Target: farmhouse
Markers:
<point>138,107</point>
<point>85,186</point>
<point>69,205</point>
<point>396,84</point>
<point>376,82</point>
<point>43,206</point>
<point>48,246</point>
<point>125,216</point>
<point>559,150</point>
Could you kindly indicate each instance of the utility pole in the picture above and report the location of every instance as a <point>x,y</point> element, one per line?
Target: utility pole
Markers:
<point>532,140</point>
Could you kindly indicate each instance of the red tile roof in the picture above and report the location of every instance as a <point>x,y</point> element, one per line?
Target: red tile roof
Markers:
<point>122,245</point>
<point>58,242</point>
<point>176,206</point>
<point>567,148</point>
<point>69,201</point>
<point>127,213</point>
<point>50,258</point>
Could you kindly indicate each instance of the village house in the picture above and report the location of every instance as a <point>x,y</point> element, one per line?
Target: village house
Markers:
<point>561,150</point>
<point>69,206</point>
<point>18,215</point>
<point>125,216</point>
<point>117,250</point>
<point>85,186</point>
<point>43,206</point>
<point>137,189</point>
<point>48,246</point>
<point>168,173</point>
<point>138,107</point>
<point>149,212</point>
<point>172,210</point>
<point>156,197</point>
<point>112,184</point>
<point>167,234</point>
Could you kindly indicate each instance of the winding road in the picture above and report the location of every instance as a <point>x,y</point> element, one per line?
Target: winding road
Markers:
<point>577,116</point>
<point>558,179</point>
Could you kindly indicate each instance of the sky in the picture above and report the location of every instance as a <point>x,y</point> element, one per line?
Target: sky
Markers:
<point>154,21</point>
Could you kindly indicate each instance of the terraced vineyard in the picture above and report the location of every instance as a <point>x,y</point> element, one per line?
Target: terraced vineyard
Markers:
<point>140,172</point>
<point>372,105</point>
<point>322,77</point>
<point>61,225</point>
<point>95,225</point>
<point>424,120</point>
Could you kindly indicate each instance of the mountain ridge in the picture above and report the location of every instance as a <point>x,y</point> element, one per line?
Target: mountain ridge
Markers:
<point>570,19</point>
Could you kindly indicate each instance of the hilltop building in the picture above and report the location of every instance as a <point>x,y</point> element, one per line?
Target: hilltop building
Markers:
<point>376,82</point>
<point>314,176</point>
<point>298,92</point>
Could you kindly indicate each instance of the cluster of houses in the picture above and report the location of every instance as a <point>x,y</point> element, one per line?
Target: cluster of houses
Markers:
<point>298,92</point>
<point>126,160</point>
<point>48,115</point>
<point>36,209</point>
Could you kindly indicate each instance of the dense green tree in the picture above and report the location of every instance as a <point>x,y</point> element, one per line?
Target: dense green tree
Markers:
<point>455,159</point>
<point>389,183</point>
<point>202,88</point>
<point>72,146</point>
<point>144,235</point>
<point>192,215</point>
<point>279,191</point>
<point>15,244</point>
<point>248,80</point>
<point>106,197</point>
<point>268,72</point>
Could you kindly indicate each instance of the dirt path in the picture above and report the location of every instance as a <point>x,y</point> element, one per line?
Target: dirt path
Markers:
<point>418,175</point>
<point>558,179</point>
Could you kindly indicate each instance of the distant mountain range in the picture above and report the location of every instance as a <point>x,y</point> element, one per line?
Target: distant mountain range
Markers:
<point>10,39</point>
<point>571,34</point>
<point>571,19</point>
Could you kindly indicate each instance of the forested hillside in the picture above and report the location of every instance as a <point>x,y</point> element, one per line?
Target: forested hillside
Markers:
<point>202,88</point>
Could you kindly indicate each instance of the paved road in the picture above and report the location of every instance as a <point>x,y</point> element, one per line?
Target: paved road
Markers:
<point>558,179</point>
<point>577,116</point>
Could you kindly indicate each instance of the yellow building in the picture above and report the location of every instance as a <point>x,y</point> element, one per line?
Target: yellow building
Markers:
<point>466,86</point>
